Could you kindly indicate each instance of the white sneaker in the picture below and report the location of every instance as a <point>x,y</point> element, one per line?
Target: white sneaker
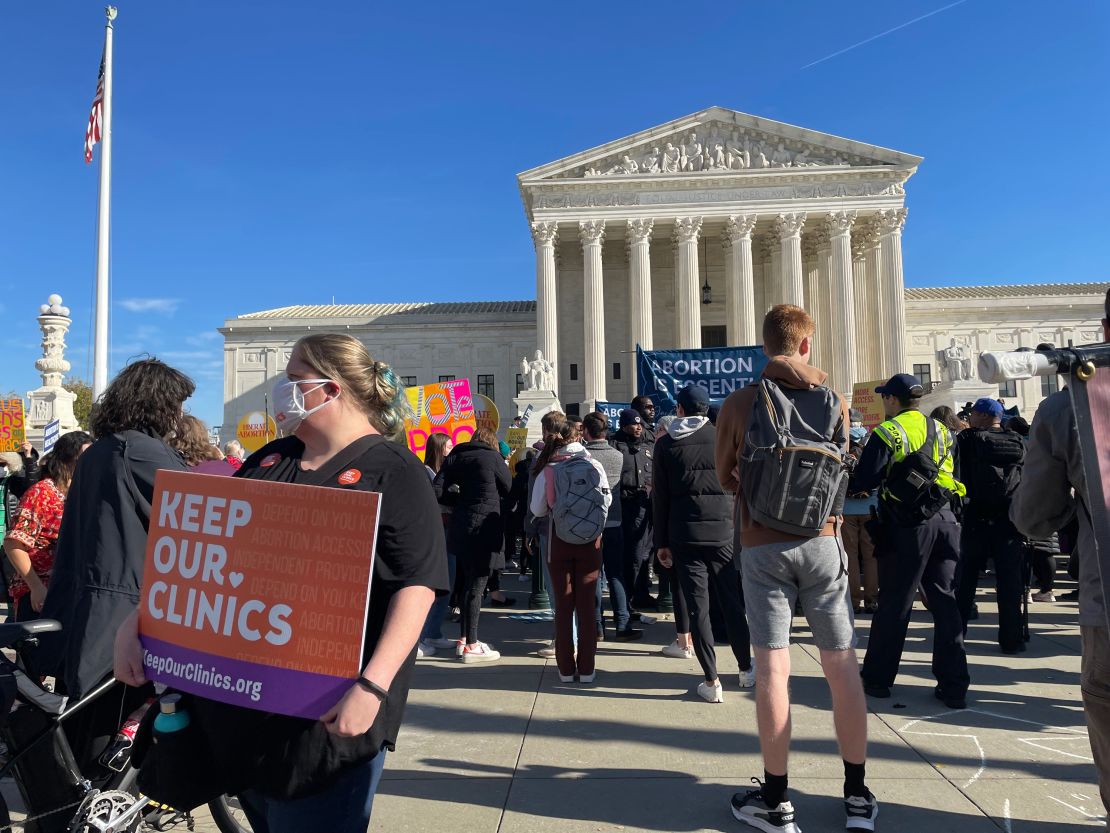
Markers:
<point>479,652</point>
<point>442,643</point>
<point>548,651</point>
<point>566,678</point>
<point>423,649</point>
<point>678,652</point>
<point>460,644</point>
<point>712,693</point>
<point>1043,597</point>
<point>587,679</point>
<point>647,620</point>
<point>747,678</point>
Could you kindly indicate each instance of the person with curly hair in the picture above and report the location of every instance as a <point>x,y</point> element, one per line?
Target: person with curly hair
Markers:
<point>98,561</point>
<point>195,445</point>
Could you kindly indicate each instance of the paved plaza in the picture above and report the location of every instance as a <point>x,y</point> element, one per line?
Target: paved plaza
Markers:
<point>506,748</point>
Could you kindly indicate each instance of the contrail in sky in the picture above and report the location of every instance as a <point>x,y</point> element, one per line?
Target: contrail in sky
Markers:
<point>884,34</point>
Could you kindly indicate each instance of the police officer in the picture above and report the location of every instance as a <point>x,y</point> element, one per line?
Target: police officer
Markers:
<point>918,540</point>
<point>632,442</point>
<point>990,466</point>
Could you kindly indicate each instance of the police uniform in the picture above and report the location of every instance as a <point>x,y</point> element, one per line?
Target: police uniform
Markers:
<point>925,555</point>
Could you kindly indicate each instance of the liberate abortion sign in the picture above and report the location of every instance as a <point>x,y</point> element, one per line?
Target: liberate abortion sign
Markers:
<point>256,593</point>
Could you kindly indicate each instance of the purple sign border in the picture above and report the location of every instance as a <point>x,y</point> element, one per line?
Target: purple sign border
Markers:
<point>281,690</point>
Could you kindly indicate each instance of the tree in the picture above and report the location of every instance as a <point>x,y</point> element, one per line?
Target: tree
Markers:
<point>83,404</point>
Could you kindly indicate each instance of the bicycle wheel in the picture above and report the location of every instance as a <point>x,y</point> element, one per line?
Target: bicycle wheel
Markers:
<point>229,815</point>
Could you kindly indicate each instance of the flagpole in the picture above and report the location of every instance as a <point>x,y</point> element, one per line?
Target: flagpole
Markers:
<point>104,217</point>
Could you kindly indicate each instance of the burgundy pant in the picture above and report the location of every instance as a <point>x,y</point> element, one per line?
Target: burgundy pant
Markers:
<point>574,571</point>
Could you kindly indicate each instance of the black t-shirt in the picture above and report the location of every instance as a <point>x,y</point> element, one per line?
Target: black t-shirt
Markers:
<point>289,757</point>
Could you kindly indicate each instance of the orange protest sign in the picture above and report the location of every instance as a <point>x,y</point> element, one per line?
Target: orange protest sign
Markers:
<point>13,427</point>
<point>444,408</point>
<point>868,403</point>
<point>256,593</point>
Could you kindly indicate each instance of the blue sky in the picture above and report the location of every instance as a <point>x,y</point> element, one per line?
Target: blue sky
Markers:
<point>272,153</point>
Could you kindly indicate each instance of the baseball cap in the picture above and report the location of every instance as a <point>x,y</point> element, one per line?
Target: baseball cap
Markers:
<point>902,384</point>
<point>694,399</point>
<point>630,417</point>
<point>986,405</point>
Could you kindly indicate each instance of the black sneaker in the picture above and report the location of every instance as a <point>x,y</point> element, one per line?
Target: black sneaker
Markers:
<point>881,692</point>
<point>629,635</point>
<point>862,812</point>
<point>751,809</point>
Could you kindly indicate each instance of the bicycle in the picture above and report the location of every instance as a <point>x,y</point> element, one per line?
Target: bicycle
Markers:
<point>32,715</point>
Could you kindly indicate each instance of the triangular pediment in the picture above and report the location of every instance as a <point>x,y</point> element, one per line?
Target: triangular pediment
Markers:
<point>717,141</point>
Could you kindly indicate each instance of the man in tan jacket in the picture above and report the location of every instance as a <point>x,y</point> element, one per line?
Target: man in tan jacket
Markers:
<point>780,570</point>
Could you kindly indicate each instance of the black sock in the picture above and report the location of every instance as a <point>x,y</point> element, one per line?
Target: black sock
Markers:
<point>853,780</point>
<point>774,789</point>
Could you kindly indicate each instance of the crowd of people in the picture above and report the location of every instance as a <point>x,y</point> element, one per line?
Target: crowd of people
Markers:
<point>779,503</point>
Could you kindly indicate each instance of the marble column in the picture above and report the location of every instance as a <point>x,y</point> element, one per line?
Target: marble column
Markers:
<point>845,335</point>
<point>865,342</point>
<point>688,295</point>
<point>592,235</point>
<point>639,275</point>
<point>811,270</point>
<point>788,227</point>
<point>772,287</point>
<point>890,223</point>
<point>740,281</point>
<point>875,307</point>
<point>823,317</point>
<point>544,235</point>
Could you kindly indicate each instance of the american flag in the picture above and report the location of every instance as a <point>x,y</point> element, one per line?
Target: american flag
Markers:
<point>92,132</point>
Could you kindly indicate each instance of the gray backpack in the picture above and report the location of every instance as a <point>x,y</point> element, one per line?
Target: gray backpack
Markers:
<point>579,508</point>
<point>792,464</point>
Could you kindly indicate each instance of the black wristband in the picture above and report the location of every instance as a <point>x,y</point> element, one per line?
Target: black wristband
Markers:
<point>372,687</point>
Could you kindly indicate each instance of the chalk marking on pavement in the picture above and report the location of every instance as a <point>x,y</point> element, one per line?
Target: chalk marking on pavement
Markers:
<point>1079,810</point>
<point>982,754</point>
<point>1006,823</point>
<point>1034,742</point>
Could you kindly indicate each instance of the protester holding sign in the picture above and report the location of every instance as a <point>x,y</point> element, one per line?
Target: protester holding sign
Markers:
<point>346,414</point>
<point>30,540</point>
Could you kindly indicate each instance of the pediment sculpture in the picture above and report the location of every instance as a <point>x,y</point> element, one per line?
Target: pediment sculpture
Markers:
<point>721,148</point>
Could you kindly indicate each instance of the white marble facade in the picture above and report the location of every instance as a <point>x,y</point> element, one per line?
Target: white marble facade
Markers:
<point>633,237</point>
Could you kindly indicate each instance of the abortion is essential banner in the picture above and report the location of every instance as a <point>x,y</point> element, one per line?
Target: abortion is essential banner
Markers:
<point>720,370</point>
<point>444,408</point>
<point>612,411</point>
<point>257,593</point>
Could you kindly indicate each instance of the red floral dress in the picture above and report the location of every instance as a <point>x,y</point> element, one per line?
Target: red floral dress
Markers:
<point>35,525</point>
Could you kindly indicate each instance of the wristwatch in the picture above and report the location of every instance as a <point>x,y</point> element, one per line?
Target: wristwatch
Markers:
<point>372,687</point>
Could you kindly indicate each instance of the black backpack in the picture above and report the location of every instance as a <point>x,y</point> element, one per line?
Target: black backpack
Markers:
<point>990,467</point>
<point>911,494</point>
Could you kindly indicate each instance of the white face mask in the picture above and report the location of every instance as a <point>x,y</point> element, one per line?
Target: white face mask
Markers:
<point>289,409</point>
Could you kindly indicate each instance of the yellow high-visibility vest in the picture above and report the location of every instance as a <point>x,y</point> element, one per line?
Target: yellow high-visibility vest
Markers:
<point>906,433</point>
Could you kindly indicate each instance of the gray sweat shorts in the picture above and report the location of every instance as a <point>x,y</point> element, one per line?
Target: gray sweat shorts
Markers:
<point>814,571</point>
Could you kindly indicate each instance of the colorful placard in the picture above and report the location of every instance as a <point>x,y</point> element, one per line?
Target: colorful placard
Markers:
<point>486,414</point>
<point>440,408</point>
<point>256,593</point>
<point>255,430</point>
<point>13,426</point>
<point>868,403</point>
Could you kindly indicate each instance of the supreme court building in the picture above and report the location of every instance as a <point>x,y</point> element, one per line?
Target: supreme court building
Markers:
<point>683,236</point>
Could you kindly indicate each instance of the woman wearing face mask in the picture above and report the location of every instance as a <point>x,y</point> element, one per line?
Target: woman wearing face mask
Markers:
<point>344,416</point>
<point>857,541</point>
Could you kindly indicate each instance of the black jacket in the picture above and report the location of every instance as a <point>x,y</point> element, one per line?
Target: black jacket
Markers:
<point>98,561</point>
<point>688,504</point>
<point>473,480</point>
<point>636,473</point>
<point>990,468</point>
<point>15,485</point>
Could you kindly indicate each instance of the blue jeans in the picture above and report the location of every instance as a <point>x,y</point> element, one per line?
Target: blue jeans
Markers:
<point>612,544</point>
<point>433,625</point>
<point>342,808</point>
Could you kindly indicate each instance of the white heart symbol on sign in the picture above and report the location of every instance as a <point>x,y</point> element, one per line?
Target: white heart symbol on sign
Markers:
<point>235,579</point>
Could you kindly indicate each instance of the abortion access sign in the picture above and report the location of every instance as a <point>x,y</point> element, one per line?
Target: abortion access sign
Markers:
<point>257,593</point>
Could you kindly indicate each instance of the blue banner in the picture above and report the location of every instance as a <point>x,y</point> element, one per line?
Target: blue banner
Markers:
<point>720,370</point>
<point>613,411</point>
<point>50,435</point>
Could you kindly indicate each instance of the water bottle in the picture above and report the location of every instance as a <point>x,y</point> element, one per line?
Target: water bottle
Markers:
<point>118,754</point>
<point>172,716</point>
